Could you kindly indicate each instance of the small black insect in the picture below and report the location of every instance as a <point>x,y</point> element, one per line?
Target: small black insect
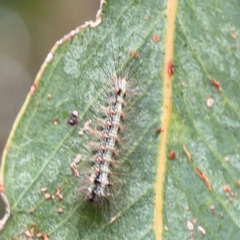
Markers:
<point>73,119</point>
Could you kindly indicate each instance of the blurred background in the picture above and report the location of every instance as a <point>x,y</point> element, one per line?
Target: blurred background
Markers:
<point>28,30</point>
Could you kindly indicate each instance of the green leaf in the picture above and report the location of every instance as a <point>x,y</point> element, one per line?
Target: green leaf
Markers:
<point>157,198</point>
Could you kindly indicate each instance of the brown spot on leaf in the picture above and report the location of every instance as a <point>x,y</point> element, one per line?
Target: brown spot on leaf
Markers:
<point>194,220</point>
<point>60,210</point>
<point>30,232</point>
<point>58,194</point>
<point>170,68</point>
<point>203,176</point>
<point>43,236</point>
<point>192,235</point>
<point>134,54</point>
<point>156,38</point>
<point>212,209</point>
<point>47,196</point>
<point>216,84</point>
<point>159,129</point>
<point>226,188</point>
<point>171,155</point>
